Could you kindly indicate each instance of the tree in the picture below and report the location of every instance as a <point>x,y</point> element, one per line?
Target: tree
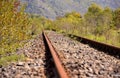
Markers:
<point>117,18</point>
<point>92,18</point>
<point>14,25</point>
<point>94,9</point>
<point>70,22</point>
<point>104,21</point>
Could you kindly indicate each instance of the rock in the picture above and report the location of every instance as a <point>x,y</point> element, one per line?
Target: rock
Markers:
<point>6,75</point>
<point>76,76</point>
<point>90,70</point>
<point>20,64</point>
<point>40,61</point>
<point>3,69</point>
<point>89,75</point>
<point>75,71</point>
<point>18,76</point>
<point>27,67</point>
<point>96,71</point>
<point>29,59</point>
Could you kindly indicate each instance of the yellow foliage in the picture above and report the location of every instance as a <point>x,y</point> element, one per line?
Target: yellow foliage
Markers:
<point>13,26</point>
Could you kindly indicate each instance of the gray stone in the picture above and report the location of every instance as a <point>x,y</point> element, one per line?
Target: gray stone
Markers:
<point>20,64</point>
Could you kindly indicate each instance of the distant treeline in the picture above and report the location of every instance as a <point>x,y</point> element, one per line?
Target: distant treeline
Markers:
<point>100,24</point>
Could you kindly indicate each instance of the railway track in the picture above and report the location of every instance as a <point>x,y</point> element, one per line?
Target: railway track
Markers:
<point>83,61</point>
<point>112,50</point>
<point>60,69</point>
<point>37,64</point>
<point>52,55</point>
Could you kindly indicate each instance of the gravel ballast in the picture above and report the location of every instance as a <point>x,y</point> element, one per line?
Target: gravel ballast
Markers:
<point>34,64</point>
<point>80,60</point>
<point>83,61</point>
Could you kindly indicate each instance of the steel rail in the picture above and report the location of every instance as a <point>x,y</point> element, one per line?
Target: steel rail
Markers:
<point>61,71</point>
<point>110,49</point>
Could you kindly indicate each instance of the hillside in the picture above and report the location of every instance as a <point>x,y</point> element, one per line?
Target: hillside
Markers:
<point>54,8</point>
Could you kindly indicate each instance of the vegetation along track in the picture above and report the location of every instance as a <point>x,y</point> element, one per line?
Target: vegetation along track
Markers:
<point>68,58</point>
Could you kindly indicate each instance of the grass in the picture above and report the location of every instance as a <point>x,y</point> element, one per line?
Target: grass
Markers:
<point>12,58</point>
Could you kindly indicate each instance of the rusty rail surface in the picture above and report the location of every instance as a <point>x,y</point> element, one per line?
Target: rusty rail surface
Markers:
<point>61,71</point>
<point>111,50</point>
